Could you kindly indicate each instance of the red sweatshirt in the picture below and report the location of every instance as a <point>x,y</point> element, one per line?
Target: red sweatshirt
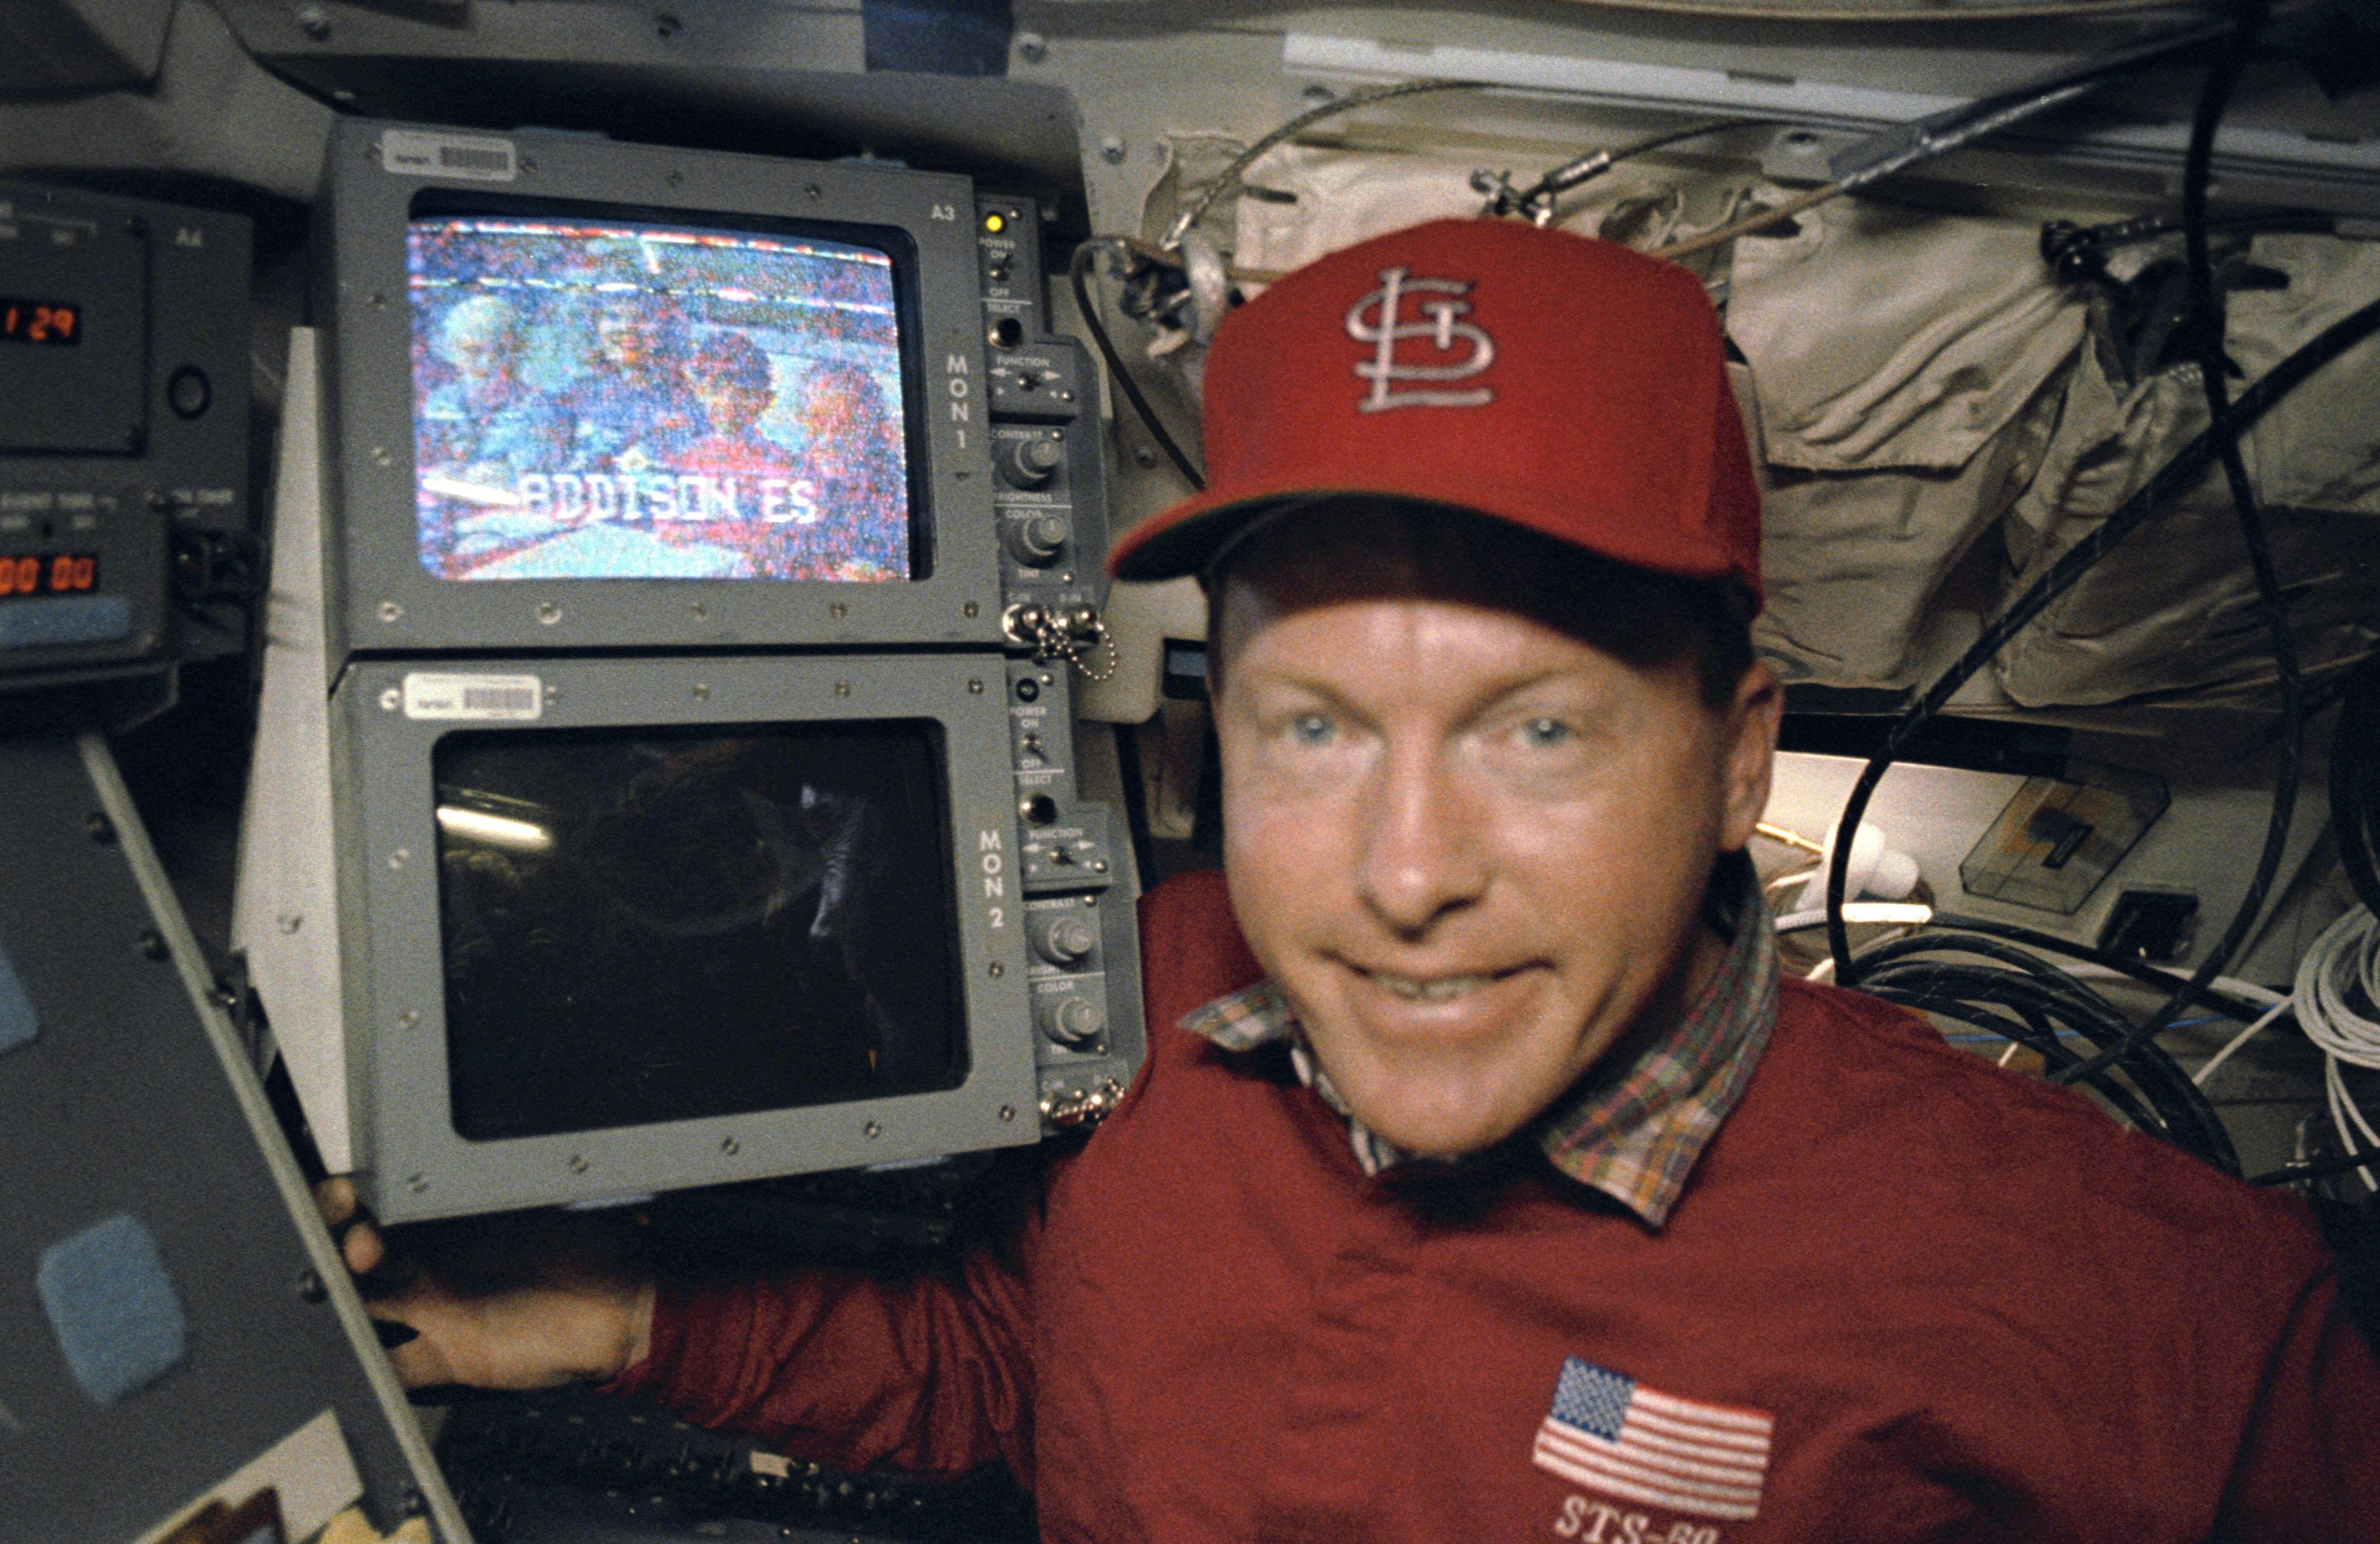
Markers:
<point>1905,1296</point>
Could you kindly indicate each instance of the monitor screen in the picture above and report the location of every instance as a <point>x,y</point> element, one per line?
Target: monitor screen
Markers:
<point>609,398</point>
<point>667,924</point>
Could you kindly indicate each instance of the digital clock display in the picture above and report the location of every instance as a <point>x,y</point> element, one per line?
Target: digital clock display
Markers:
<point>58,323</point>
<point>47,574</point>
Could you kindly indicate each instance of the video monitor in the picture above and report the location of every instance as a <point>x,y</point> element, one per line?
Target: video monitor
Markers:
<point>620,399</point>
<point>659,924</point>
<point>623,925</point>
<point>583,393</point>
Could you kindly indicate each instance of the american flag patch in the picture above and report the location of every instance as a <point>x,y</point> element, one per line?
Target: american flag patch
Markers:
<point>1609,1433</point>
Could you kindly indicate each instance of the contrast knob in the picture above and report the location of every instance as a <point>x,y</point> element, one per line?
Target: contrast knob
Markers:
<point>1061,938</point>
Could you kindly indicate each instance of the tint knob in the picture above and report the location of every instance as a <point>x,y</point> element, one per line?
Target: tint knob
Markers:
<point>1069,1020</point>
<point>1037,539</point>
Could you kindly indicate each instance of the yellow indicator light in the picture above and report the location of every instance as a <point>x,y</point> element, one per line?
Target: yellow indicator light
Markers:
<point>995,223</point>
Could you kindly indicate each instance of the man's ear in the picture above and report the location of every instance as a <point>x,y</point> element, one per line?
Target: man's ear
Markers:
<point>1748,751</point>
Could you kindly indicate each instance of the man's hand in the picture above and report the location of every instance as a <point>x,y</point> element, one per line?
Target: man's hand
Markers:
<point>523,1301</point>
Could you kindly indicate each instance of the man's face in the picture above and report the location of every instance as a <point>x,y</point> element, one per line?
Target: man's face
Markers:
<point>731,409</point>
<point>626,337</point>
<point>482,357</point>
<point>1469,848</point>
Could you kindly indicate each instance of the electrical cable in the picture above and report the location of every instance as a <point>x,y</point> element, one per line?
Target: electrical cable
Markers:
<point>2312,1168</point>
<point>2205,1074</point>
<point>1789,838</point>
<point>1762,220</point>
<point>2207,323</point>
<point>2355,781</point>
<point>2160,1101</point>
<point>1905,145</point>
<point>1538,202</point>
<point>1899,972</point>
<point>1077,274</point>
<point>2213,995</point>
<point>2169,480</point>
<point>2337,986</point>
<point>1230,176</point>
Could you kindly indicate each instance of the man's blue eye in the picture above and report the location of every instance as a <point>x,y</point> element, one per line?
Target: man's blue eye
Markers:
<point>1310,729</point>
<point>1547,732</point>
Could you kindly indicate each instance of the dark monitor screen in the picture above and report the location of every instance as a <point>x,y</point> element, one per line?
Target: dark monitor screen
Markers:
<point>608,398</point>
<point>657,924</point>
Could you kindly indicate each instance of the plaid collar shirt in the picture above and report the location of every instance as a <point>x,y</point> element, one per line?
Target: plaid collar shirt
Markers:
<point>1632,1130</point>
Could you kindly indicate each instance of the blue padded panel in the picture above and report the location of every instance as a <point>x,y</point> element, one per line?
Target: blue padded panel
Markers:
<point>17,1023</point>
<point>47,623</point>
<point>113,1306</point>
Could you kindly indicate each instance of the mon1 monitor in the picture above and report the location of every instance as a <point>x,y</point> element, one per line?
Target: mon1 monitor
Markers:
<point>583,393</point>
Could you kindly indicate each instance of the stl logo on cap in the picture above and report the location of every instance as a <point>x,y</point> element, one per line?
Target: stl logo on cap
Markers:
<point>1378,319</point>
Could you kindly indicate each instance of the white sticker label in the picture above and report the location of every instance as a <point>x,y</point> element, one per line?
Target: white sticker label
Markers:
<point>507,698</point>
<point>471,157</point>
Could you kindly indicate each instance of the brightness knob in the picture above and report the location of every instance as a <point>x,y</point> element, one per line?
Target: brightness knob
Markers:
<point>1030,463</point>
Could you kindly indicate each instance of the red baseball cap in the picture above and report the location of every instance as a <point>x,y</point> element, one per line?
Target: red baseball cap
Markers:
<point>1569,385</point>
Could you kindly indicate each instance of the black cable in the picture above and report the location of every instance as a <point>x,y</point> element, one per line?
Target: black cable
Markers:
<point>2140,970</point>
<point>2167,480</point>
<point>2044,1044</point>
<point>1078,273</point>
<point>2355,781</point>
<point>2206,324</point>
<point>2316,1168</point>
<point>2183,1115</point>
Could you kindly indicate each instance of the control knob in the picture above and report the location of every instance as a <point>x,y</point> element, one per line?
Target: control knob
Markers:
<point>1037,539</point>
<point>1061,938</point>
<point>1030,463</point>
<point>1069,1019</point>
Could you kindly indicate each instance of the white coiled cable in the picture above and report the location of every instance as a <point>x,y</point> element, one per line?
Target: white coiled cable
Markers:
<point>2338,991</point>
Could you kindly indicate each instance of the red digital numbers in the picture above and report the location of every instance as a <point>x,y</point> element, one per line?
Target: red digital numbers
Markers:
<point>59,574</point>
<point>57,322</point>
